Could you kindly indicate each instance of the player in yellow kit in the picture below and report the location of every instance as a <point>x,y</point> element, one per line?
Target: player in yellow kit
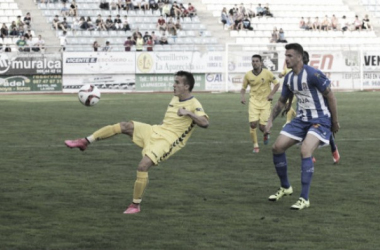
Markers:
<point>261,95</point>
<point>159,142</point>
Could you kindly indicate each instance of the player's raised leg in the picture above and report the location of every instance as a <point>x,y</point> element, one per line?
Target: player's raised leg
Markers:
<point>141,183</point>
<point>279,159</point>
<point>101,134</point>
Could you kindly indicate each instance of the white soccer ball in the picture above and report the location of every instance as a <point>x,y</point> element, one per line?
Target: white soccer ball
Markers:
<point>89,95</point>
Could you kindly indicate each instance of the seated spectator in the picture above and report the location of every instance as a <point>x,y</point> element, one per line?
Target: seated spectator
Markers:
<point>28,20</point>
<point>146,37</point>
<point>136,4</point>
<point>344,25</point>
<point>128,5</point>
<point>178,25</point>
<point>39,45</point>
<point>63,41</point>
<point>155,38</point>
<point>95,46</point>
<point>91,25</point>
<point>64,10</point>
<point>107,47</point>
<point>118,23</point>
<point>184,12</point>
<point>316,24</point>
<point>224,17</point>
<point>7,48</point>
<point>128,44</point>
<point>274,36</point>
<point>149,44</point>
<point>139,42</point>
<point>55,22</point>
<point>20,24</point>
<point>250,12</point>
<point>309,24</point>
<point>145,5</point>
<point>302,24</point>
<point>100,24</point>
<point>163,40</point>
<point>29,45</point>
<point>281,36</point>
<point>192,11</point>
<point>239,18</point>
<point>246,24</point>
<point>267,11</point>
<point>172,30</point>
<point>166,10</point>
<point>357,23</point>
<point>366,23</point>
<point>160,4</point>
<point>126,24</point>
<point>77,22</point>
<point>242,9</point>
<point>334,23</point>
<point>64,25</point>
<point>4,31</point>
<point>73,9</point>
<point>153,5</point>
<point>21,44</point>
<point>13,32</point>
<point>135,35</point>
<point>104,5</point>
<point>259,10</point>
<point>175,10</point>
<point>121,5</point>
<point>109,23</point>
<point>113,5</point>
<point>161,24</point>
<point>325,25</point>
<point>28,34</point>
<point>234,10</point>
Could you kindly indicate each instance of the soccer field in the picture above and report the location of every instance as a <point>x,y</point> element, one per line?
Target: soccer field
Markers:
<point>210,195</point>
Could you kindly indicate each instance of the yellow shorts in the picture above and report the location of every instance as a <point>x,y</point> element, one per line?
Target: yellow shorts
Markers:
<point>259,114</point>
<point>154,144</point>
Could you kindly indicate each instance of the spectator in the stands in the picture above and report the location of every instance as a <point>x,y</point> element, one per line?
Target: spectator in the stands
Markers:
<point>259,10</point>
<point>166,10</point>
<point>163,39</point>
<point>246,24</point>
<point>145,5</point>
<point>55,22</point>
<point>172,30</point>
<point>128,5</point>
<point>149,44</point>
<point>28,34</point>
<point>176,10</point>
<point>95,46</point>
<point>121,5</point>
<point>139,42</point>
<point>274,35</point>
<point>107,47</point>
<point>64,25</point>
<point>13,31</point>
<point>63,42</point>
<point>77,22</point>
<point>192,11</point>
<point>160,4</point>
<point>366,23</point>
<point>104,5</point>
<point>233,10</point>
<point>267,11</point>
<point>136,4</point>
<point>39,45</point>
<point>178,25</point>
<point>126,24</point>
<point>184,12</point>
<point>91,25</point>
<point>154,38</point>
<point>4,31</point>
<point>281,36</point>
<point>325,25</point>
<point>242,9</point>
<point>161,24</point>
<point>28,20</point>
<point>334,23</point>
<point>250,12</point>
<point>113,5</point>
<point>238,20</point>
<point>109,23</point>
<point>73,9</point>
<point>20,24</point>
<point>153,5</point>
<point>316,24</point>
<point>21,44</point>
<point>302,24</point>
<point>309,24</point>
<point>344,24</point>
<point>135,35</point>
<point>64,10</point>
<point>100,25</point>
<point>224,17</point>
<point>29,44</point>
<point>128,44</point>
<point>118,23</point>
<point>146,37</point>
<point>357,23</point>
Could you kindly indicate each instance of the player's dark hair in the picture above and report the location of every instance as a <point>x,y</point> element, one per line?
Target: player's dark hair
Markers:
<point>305,57</point>
<point>189,78</point>
<point>296,47</point>
<point>257,56</point>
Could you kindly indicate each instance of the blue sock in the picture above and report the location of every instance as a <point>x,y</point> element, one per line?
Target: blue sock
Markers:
<point>281,166</point>
<point>307,170</point>
<point>332,144</point>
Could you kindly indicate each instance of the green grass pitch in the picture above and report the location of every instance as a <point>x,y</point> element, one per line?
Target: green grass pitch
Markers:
<point>210,195</point>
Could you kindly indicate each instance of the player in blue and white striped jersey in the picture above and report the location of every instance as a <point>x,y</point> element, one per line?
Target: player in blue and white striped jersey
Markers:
<point>316,119</point>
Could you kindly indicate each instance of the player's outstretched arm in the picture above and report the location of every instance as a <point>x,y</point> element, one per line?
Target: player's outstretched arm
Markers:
<point>329,95</point>
<point>201,121</point>
<point>274,113</point>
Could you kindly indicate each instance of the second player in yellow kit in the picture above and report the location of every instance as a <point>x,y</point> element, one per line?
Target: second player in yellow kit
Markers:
<point>260,97</point>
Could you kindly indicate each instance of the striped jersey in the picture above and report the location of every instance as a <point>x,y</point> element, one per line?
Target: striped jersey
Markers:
<point>308,87</point>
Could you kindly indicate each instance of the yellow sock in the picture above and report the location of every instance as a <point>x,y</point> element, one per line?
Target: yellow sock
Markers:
<point>140,185</point>
<point>254,137</point>
<point>105,132</point>
<point>290,115</point>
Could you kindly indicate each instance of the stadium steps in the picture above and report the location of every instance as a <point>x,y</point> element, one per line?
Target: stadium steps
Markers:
<point>39,24</point>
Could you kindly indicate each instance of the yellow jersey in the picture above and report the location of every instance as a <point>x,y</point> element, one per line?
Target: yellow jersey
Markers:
<point>285,71</point>
<point>178,129</point>
<point>260,86</point>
